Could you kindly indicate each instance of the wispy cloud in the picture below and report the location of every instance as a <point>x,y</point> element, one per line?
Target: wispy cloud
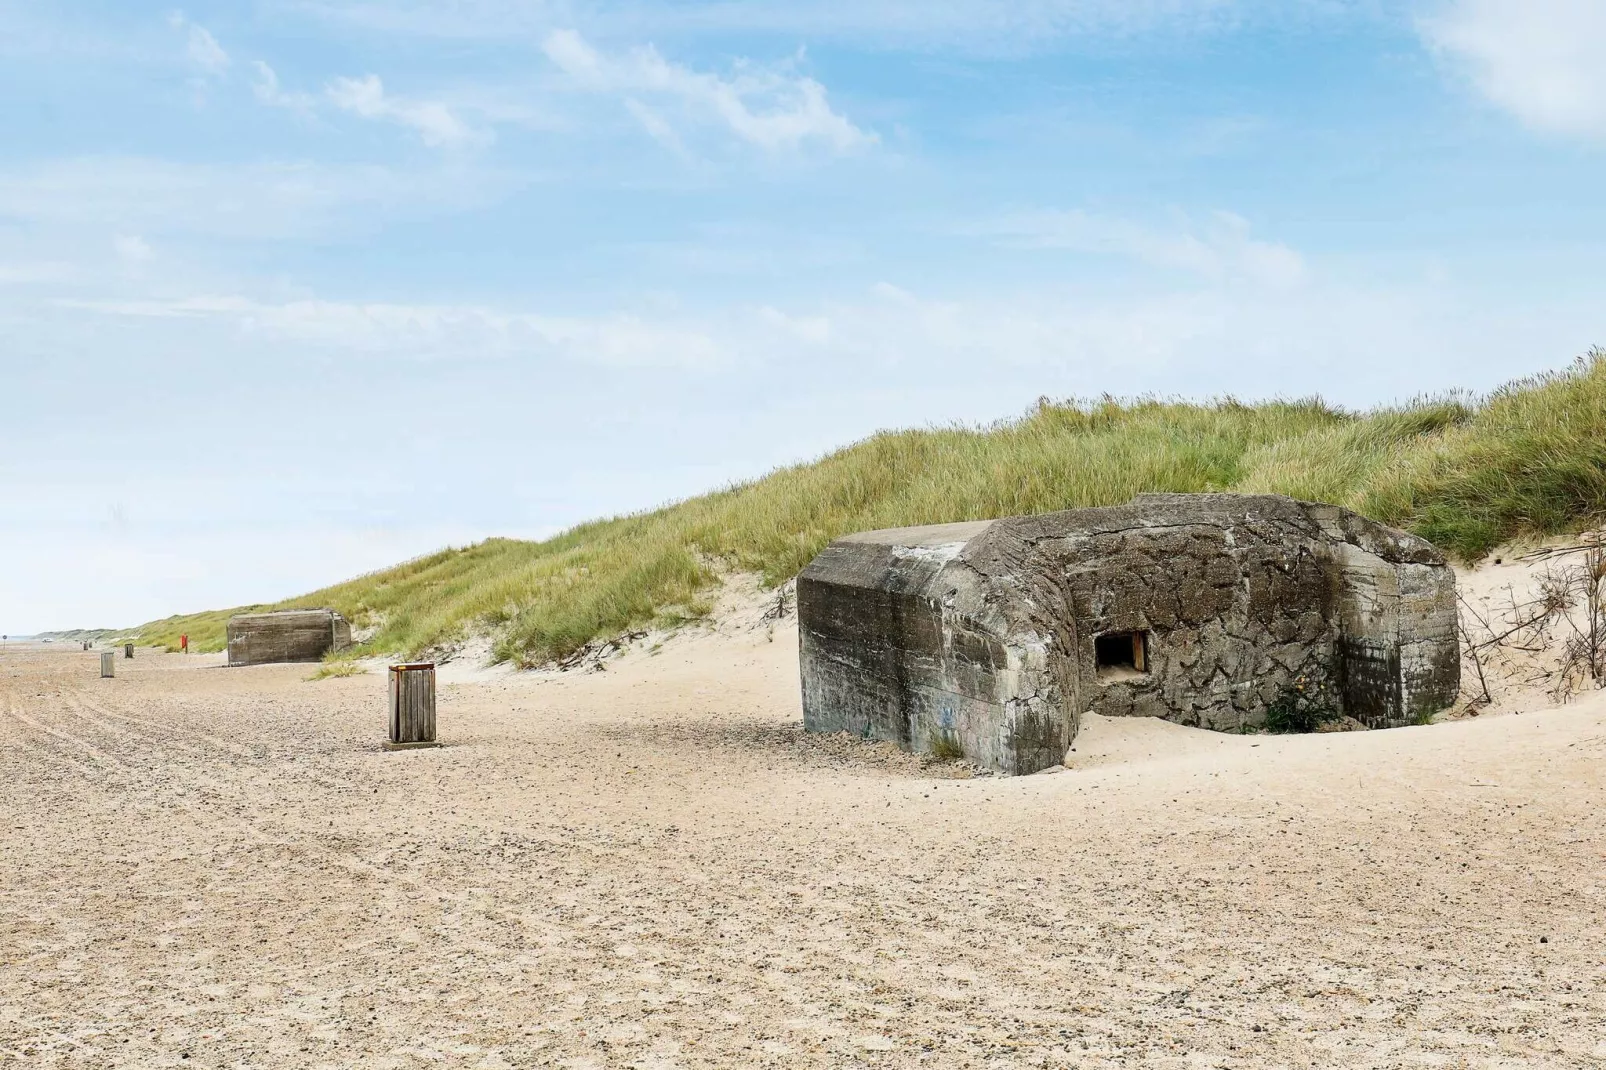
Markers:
<point>220,201</point>
<point>1221,248</point>
<point>132,249</point>
<point>435,123</point>
<point>769,107</point>
<point>265,86</point>
<point>1540,60</point>
<point>657,127</point>
<point>442,332</point>
<point>1242,336</point>
<point>201,48</point>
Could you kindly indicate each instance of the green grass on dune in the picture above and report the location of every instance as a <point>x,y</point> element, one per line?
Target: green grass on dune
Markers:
<point>1467,473</point>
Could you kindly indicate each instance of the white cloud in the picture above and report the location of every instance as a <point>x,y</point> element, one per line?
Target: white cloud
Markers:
<point>768,107</point>
<point>205,52</point>
<point>440,332</point>
<point>132,249</point>
<point>432,120</point>
<point>1543,61</point>
<point>201,47</point>
<point>656,126</point>
<point>154,198</point>
<point>807,328</point>
<point>977,347</point>
<point>265,85</point>
<point>1220,249</point>
<point>570,51</point>
<point>435,122</point>
<point>1355,343</point>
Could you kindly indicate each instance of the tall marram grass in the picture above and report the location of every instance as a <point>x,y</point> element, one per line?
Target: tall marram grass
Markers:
<point>1467,473</point>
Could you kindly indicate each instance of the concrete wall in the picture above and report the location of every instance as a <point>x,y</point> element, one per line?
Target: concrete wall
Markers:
<point>981,636</point>
<point>901,641</point>
<point>286,636</point>
<point>1397,622</point>
<point>1236,598</point>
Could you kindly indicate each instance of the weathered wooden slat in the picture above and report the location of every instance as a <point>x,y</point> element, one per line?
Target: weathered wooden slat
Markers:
<point>412,707</point>
<point>108,664</point>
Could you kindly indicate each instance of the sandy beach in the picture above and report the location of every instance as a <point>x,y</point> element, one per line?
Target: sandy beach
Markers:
<point>653,866</point>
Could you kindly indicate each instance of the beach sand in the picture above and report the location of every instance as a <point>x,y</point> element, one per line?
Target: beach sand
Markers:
<point>652,866</point>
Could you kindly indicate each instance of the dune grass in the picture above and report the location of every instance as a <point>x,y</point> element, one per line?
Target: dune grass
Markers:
<point>1465,472</point>
<point>337,666</point>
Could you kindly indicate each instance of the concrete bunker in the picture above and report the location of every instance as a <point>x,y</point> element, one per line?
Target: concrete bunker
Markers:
<point>286,635</point>
<point>992,637</point>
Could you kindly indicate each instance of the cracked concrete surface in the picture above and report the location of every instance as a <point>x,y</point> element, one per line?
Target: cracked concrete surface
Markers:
<point>980,637</point>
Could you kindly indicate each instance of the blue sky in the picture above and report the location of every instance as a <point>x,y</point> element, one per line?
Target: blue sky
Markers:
<point>295,289</point>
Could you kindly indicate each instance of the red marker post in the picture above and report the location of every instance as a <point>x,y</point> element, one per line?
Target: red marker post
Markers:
<point>184,644</point>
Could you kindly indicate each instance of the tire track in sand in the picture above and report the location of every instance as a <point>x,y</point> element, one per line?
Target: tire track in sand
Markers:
<point>78,705</point>
<point>14,710</point>
<point>98,708</point>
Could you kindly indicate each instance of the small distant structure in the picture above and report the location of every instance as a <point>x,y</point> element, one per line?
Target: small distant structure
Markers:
<point>286,635</point>
<point>989,639</point>
<point>412,707</point>
<point>128,650</point>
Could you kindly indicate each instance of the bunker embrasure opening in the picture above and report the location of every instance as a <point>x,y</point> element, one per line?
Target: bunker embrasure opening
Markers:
<point>1121,655</point>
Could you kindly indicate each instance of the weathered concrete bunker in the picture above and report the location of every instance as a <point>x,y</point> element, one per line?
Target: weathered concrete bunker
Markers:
<point>286,635</point>
<point>991,638</point>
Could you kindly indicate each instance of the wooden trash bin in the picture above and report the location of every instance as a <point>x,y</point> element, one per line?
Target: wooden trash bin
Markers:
<point>128,650</point>
<point>108,664</point>
<point>412,707</point>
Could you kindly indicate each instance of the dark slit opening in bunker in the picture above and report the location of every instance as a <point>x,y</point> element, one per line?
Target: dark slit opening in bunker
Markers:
<point>1121,655</point>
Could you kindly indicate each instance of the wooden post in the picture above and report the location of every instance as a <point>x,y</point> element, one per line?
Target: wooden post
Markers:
<point>108,664</point>
<point>128,650</point>
<point>412,707</point>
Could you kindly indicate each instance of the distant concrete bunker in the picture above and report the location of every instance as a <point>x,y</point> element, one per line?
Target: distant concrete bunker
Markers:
<point>992,637</point>
<point>286,635</point>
